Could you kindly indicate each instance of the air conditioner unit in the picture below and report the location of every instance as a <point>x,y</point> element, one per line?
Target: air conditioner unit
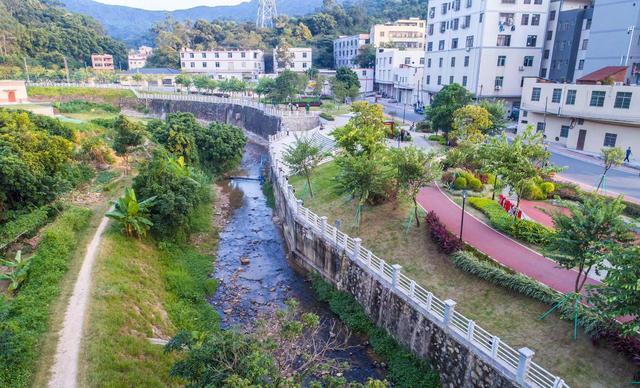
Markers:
<point>498,87</point>
<point>521,68</point>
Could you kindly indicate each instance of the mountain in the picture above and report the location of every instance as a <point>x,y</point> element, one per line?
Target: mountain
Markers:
<point>132,25</point>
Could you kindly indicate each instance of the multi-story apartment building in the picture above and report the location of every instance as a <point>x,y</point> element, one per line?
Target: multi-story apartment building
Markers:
<point>299,59</point>
<point>347,48</point>
<point>223,63</point>
<point>398,73</point>
<point>487,46</point>
<point>404,33</point>
<point>585,116</point>
<point>138,58</point>
<point>102,62</point>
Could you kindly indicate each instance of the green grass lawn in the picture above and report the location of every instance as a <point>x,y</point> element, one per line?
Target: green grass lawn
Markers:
<point>108,95</point>
<point>511,316</point>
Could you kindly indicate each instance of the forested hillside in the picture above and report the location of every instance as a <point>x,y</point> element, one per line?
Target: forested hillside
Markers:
<point>45,33</point>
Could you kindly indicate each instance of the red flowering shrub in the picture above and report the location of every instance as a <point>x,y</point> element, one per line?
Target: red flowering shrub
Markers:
<point>447,241</point>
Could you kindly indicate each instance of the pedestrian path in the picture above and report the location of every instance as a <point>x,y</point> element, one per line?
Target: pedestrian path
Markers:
<point>501,248</point>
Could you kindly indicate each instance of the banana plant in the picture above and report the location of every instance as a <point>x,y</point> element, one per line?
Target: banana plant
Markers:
<point>18,268</point>
<point>131,214</point>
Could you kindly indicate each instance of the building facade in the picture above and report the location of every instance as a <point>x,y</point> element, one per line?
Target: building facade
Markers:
<point>584,117</point>
<point>13,92</point>
<point>300,59</point>
<point>347,48</point>
<point>149,77</point>
<point>398,74</point>
<point>102,62</point>
<point>487,46</point>
<point>223,63</point>
<point>569,27</point>
<point>138,58</point>
<point>403,33</point>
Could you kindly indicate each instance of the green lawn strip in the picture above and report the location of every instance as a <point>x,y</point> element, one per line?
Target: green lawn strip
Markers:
<point>108,95</point>
<point>28,314</point>
<point>146,289</point>
<point>405,369</point>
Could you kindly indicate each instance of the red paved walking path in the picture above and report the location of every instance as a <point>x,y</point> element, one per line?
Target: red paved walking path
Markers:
<point>500,247</point>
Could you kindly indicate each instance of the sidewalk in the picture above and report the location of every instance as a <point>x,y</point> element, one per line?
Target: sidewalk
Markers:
<point>501,248</point>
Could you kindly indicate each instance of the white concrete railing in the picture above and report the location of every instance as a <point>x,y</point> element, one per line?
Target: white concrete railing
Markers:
<point>518,363</point>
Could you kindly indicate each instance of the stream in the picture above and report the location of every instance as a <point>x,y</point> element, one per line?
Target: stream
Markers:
<point>255,277</point>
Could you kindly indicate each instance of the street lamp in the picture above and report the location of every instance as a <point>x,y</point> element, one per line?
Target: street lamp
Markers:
<point>464,201</point>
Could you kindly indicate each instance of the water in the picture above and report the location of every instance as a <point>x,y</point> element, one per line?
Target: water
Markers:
<point>269,279</point>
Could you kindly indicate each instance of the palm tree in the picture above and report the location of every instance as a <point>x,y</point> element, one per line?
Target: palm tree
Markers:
<point>19,268</point>
<point>131,214</point>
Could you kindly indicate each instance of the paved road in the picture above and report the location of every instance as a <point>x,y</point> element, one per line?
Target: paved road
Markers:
<point>620,181</point>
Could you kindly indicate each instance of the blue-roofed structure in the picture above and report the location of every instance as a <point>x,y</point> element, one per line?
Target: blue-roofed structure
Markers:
<point>152,71</point>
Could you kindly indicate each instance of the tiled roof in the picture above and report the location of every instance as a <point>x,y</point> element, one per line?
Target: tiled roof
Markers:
<point>602,74</point>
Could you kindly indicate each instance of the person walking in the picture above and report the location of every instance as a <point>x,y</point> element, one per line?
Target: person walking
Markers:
<point>626,158</point>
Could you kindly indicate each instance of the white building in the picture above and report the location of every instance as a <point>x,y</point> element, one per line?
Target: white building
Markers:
<point>299,59</point>
<point>487,46</point>
<point>223,63</point>
<point>399,73</point>
<point>347,48</point>
<point>138,58</point>
<point>584,117</point>
<point>403,33</point>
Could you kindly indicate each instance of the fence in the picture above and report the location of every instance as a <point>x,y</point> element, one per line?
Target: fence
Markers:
<point>518,362</point>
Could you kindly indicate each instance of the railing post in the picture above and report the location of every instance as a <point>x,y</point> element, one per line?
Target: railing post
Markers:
<point>298,206</point>
<point>429,301</point>
<point>290,191</point>
<point>524,361</point>
<point>381,267</point>
<point>396,275</point>
<point>471,327</point>
<point>495,343</point>
<point>369,256</point>
<point>449,308</point>
<point>357,243</point>
<point>412,289</point>
<point>323,225</point>
<point>558,383</point>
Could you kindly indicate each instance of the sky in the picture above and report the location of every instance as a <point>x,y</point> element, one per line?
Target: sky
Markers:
<point>169,5</point>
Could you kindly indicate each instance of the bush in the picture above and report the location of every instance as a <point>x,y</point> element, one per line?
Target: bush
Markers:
<point>533,192</point>
<point>547,187</point>
<point>438,138</point>
<point>94,149</point>
<point>83,106</point>
<point>106,123</point>
<point>26,318</point>
<point>405,369</point>
<point>475,184</point>
<point>460,183</point>
<point>448,177</point>
<point>525,230</point>
<point>25,225</point>
<point>327,116</point>
<point>424,126</point>
<point>447,241</point>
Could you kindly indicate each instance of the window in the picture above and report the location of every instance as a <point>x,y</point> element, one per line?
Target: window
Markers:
<point>204,55</point>
<point>407,60</point>
<point>450,79</point>
<point>481,17</point>
<point>556,96</point>
<point>441,45</point>
<point>571,97</point>
<point>508,1</point>
<point>525,19</point>
<point>217,64</point>
<point>610,139</point>
<point>440,62</point>
<point>454,43</point>
<point>192,55</point>
<point>430,30</point>
<point>304,55</point>
<point>204,64</point>
<point>428,79</point>
<point>535,94</point>
<point>439,80</point>
<point>422,60</point>
<point>229,55</point>
<point>428,62</point>
<point>504,40</point>
<point>585,44</point>
<point>244,55</point>
<point>532,40</point>
<point>464,80</point>
<point>537,2</point>
<point>552,15</point>
<point>429,46</point>
<point>381,33</point>
<point>467,21</point>
<point>543,72</point>
<point>216,55</point>
<point>535,19</point>
<point>469,3</point>
<point>501,60</point>
<point>432,12</point>
<point>469,43</point>
<point>498,82</point>
<point>564,131</point>
<point>597,98</point>
<point>443,27</point>
<point>443,9</point>
<point>623,100</point>
<point>528,61</point>
<point>540,127</point>
<point>549,35</point>
<point>587,24</point>
<point>466,61</point>
<point>581,64</point>
<point>527,1</point>
<point>455,23</point>
<point>456,5</point>
<point>304,65</point>
<point>193,64</point>
<point>453,61</point>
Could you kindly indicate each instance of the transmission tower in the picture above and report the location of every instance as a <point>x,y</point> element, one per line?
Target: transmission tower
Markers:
<point>267,13</point>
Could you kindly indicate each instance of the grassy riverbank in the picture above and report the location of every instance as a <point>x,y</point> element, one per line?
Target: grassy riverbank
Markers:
<point>147,290</point>
<point>511,316</point>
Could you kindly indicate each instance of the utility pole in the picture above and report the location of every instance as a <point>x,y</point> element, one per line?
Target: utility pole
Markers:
<point>26,69</point>
<point>66,69</point>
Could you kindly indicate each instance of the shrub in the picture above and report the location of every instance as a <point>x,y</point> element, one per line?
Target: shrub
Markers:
<point>448,177</point>
<point>475,184</point>
<point>82,106</point>
<point>438,138</point>
<point>460,183</point>
<point>533,192</point>
<point>106,123</point>
<point>447,241</point>
<point>567,191</point>
<point>327,116</point>
<point>547,187</point>
<point>25,225</point>
<point>525,230</point>
<point>95,149</point>
<point>424,126</point>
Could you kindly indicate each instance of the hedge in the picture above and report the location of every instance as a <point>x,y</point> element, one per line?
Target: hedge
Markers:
<point>447,241</point>
<point>26,225</point>
<point>438,138</point>
<point>327,116</point>
<point>525,230</point>
<point>25,319</point>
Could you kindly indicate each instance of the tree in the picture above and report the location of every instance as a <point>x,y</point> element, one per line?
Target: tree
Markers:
<point>182,144</point>
<point>287,85</point>
<point>498,114</point>
<point>128,134</point>
<point>341,91</point>
<point>619,293</point>
<point>131,214</point>
<point>348,77</point>
<point>583,239</point>
<point>449,99</point>
<point>302,158</point>
<point>201,82</point>
<point>612,156</point>
<point>184,80</point>
<point>470,123</point>
<point>220,147</point>
<point>366,57</point>
<point>284,55</point>
<point>364,134</point>
<point>414,169</point>
<point>364,178</point>
<point>265,86</point>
